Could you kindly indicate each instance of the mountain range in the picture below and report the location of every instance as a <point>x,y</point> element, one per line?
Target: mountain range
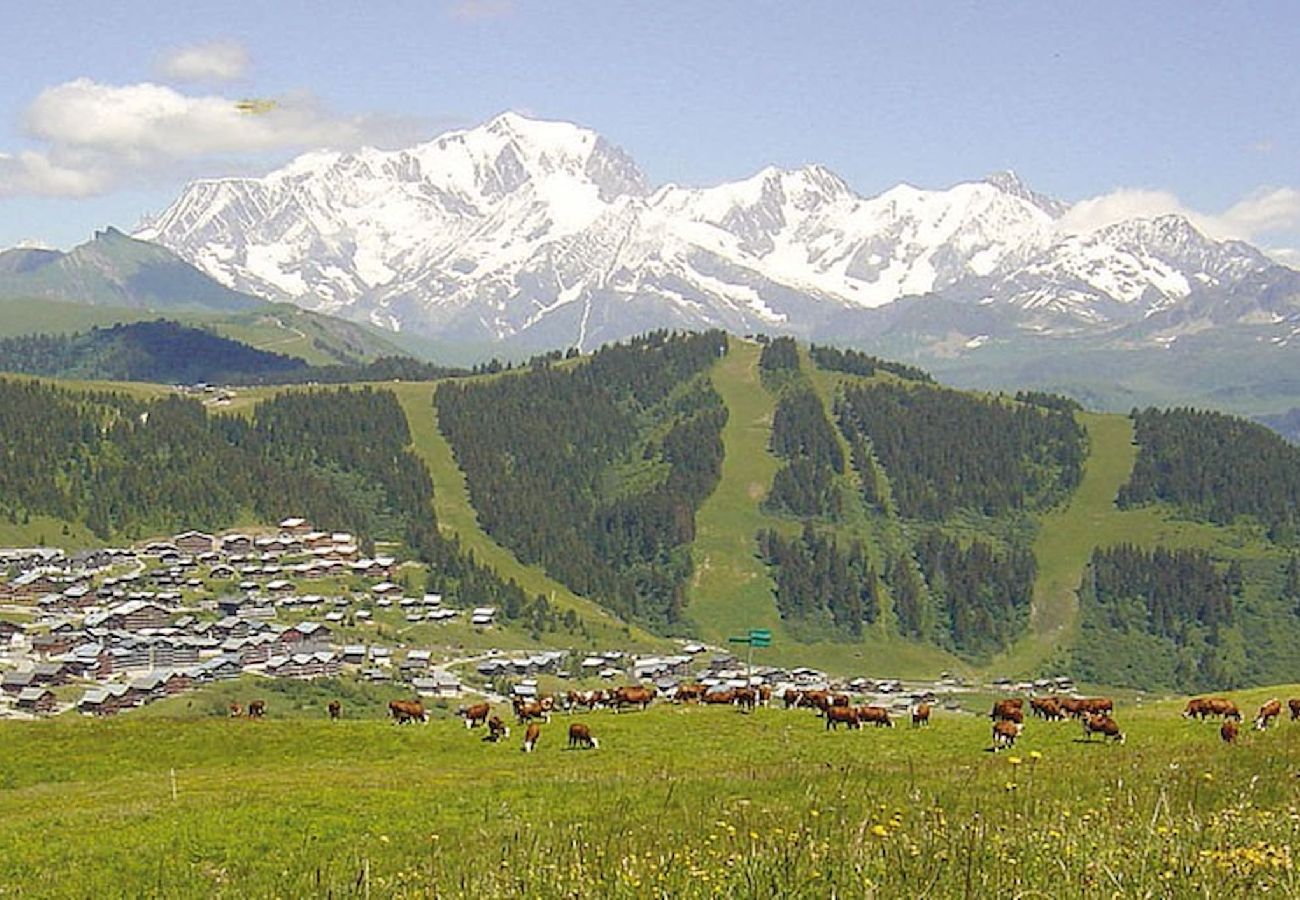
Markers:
<point>545,234</point>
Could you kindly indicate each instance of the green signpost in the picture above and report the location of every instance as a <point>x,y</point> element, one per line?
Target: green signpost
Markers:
<point>757,637</point>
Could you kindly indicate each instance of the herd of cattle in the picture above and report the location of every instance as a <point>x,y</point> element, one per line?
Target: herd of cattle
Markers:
<point>1096,714</point>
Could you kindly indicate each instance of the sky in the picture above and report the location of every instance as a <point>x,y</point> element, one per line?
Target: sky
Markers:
<point>106,110</point>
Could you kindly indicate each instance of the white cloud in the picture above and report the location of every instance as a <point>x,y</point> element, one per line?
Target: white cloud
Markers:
<point>1266,211</point>
<point>95,136</point>
<point>213,61</point>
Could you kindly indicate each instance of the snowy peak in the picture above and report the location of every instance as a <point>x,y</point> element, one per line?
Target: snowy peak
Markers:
<point>521,228</point>
<point>1008,182</point>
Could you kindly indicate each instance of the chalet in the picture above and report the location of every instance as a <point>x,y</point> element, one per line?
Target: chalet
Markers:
<point>236,544</point>
<point>50,673</point>
<point>32,584</point>
<point>54,643</point>
<point>194,542</point>
<point>295,525</point>
<point>105,700</point>
<point>16,682</point>
<point>306,637</point>
<point>36,699</point>
<point>222,668</point>
<point>354,654</point>
<point>135,615</point>
<point>437,684</point>
<point>385,588</point>
<point>483,615</point>
<point>280,586</point>
<point>177,682</point>
<point>304,665</point>
<point>8,630</point>
<point>221,572</point>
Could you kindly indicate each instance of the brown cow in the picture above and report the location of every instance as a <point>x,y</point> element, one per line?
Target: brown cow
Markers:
<point>475,715</point>
<point>746,699</point>
<point>404,711</point>
<point>1009,710</point>
<point>633,695</point>
<point>256,709</point>
<point>580,736</point>
<point>689,693</point>
<point>1098,705</point>
<point>235,710</point>
<point>496,730</point>
<point>765,695</point>
<point>530,736</point>
<point>1267,713</point>
<point>1005,733</point>
<point>842,715</point>
<point>335,710</point>
<point>792,698</point>
<point>876,715</point>
<point>920,715</point>
<point>726,697</point>
<point>1099,723</point>
<point>1205,707</point>
<point>1228,731</point>
<point>1294,706</point>
<point>1048,708</point>
<point>527,710</point>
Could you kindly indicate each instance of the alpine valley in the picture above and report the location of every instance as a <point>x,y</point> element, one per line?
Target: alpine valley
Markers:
<point>522,235</point>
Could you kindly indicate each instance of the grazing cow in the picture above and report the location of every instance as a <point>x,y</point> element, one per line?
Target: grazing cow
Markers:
<point>1096,706</point>
<point>531,735</point>
<point>527,710</point>
<point>1205,707</point>
<point>1048,708</point>
<point>1294,706</point>
<point>765,695</point>
<point>747,699</point>
<point>256,709</point>
<point>1099,723</point>
<point>335,710</point>
<point>235,710</point>
<point>1009,710</point>
<point>792,698</point>
<point>840,700</point>
<point>633,695</point>
<point>496,730</point>
<point>1005,733</point>
<point>689,693</point>
<point>820,701</point>
<point>727,697</point>
<point>920,715</point>
<point>1228,731</point>
<point>404,711</point>
<point>1267,713</point>
<point>842,715</point>
<point>580,736</point>
<point>876,715</point>
<point>477,714</point>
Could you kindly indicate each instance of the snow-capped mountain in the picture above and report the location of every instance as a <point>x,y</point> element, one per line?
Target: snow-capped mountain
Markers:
<point>545,233</point>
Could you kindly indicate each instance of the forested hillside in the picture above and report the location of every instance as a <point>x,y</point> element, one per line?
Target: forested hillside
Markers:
<point>886,511</point>
<point>915,503</point>
<point>1190,619</point>
<point>595,470</point>
<point>130,468</point>
<point>168,352</point>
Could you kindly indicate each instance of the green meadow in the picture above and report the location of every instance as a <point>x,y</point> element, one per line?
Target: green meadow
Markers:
<point>676,802</point>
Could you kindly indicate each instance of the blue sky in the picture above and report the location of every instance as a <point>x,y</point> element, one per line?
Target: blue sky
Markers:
<point>1137,107</point>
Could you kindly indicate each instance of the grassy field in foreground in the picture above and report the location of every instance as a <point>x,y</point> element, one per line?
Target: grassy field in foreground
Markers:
<point>675,802</point>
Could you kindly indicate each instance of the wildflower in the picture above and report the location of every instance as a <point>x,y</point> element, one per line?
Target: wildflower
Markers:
<point>879,830</point>
<point>1010,786</point>
<point>1035,756</point>
<point>753,835</point>
<point>1014,760</point>
<point>814,813</point>
<point>1208,776</point>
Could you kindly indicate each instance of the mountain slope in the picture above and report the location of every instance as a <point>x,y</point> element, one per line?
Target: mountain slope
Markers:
<point>116,270</point>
